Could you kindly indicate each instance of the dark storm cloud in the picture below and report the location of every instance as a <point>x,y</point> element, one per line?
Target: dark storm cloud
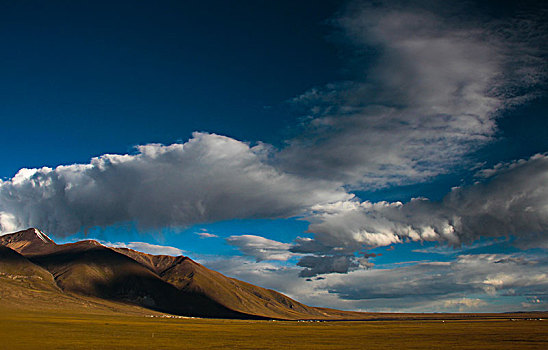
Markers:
<point>316,265</point>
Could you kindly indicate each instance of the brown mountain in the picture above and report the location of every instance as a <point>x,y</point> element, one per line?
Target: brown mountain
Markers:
<point>28,242</point>
<point>176,285</point>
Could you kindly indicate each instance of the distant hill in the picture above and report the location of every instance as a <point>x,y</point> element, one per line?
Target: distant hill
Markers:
<point>168,284</point>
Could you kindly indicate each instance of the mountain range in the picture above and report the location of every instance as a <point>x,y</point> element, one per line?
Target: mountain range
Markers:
<point>87,274</point>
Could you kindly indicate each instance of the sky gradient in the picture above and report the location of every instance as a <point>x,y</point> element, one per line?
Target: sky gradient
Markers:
<point>375,156</point>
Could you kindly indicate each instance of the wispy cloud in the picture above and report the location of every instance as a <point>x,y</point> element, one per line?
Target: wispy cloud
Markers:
<point>432,95</point>
<point>448,250</point>
<point>148,248</point>
<point>204,234</point>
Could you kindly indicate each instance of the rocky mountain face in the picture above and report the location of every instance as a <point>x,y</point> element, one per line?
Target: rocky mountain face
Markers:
<point>176,285</point>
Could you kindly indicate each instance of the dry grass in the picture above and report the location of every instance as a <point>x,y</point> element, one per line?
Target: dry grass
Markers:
<point>54,330</point>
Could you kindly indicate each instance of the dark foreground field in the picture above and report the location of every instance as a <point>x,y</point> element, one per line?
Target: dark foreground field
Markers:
<point>28,330</point>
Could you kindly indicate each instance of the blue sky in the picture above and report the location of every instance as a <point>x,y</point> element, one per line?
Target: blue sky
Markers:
<point>377,156</point>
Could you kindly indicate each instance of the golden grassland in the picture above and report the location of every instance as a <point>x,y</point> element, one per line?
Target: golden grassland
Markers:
<point>65,330</point>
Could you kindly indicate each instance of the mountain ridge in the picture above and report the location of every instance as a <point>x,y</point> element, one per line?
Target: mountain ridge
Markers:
<point>164,283</point>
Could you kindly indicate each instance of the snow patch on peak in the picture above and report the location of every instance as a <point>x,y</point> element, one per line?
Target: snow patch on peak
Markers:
<point>42,236</point>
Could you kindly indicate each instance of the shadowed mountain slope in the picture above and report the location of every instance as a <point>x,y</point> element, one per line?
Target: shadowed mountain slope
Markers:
<point>191,277</point>
<point>16,267</point>
<point>25,286</point>
<point>176,285</point>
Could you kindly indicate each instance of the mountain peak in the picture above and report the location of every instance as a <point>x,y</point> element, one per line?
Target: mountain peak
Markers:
<point>29,241</point>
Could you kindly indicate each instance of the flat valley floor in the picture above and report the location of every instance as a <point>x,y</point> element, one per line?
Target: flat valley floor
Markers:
<point>54,330</point>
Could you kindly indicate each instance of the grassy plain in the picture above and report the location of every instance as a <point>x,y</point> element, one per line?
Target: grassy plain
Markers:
<point>65,330</point>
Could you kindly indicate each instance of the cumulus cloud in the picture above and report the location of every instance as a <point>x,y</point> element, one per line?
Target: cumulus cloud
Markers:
<point>261,248</point>
<point>208,178</point>
<point>431,96</point>
<point>512,202</point>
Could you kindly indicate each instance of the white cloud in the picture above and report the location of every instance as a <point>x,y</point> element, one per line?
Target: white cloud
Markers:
<point>146,248</point>
<point>514,201</point>
<point>205,234</point>
<point>261,248</point>
<point>208,178</point>
<point>432,95</point>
